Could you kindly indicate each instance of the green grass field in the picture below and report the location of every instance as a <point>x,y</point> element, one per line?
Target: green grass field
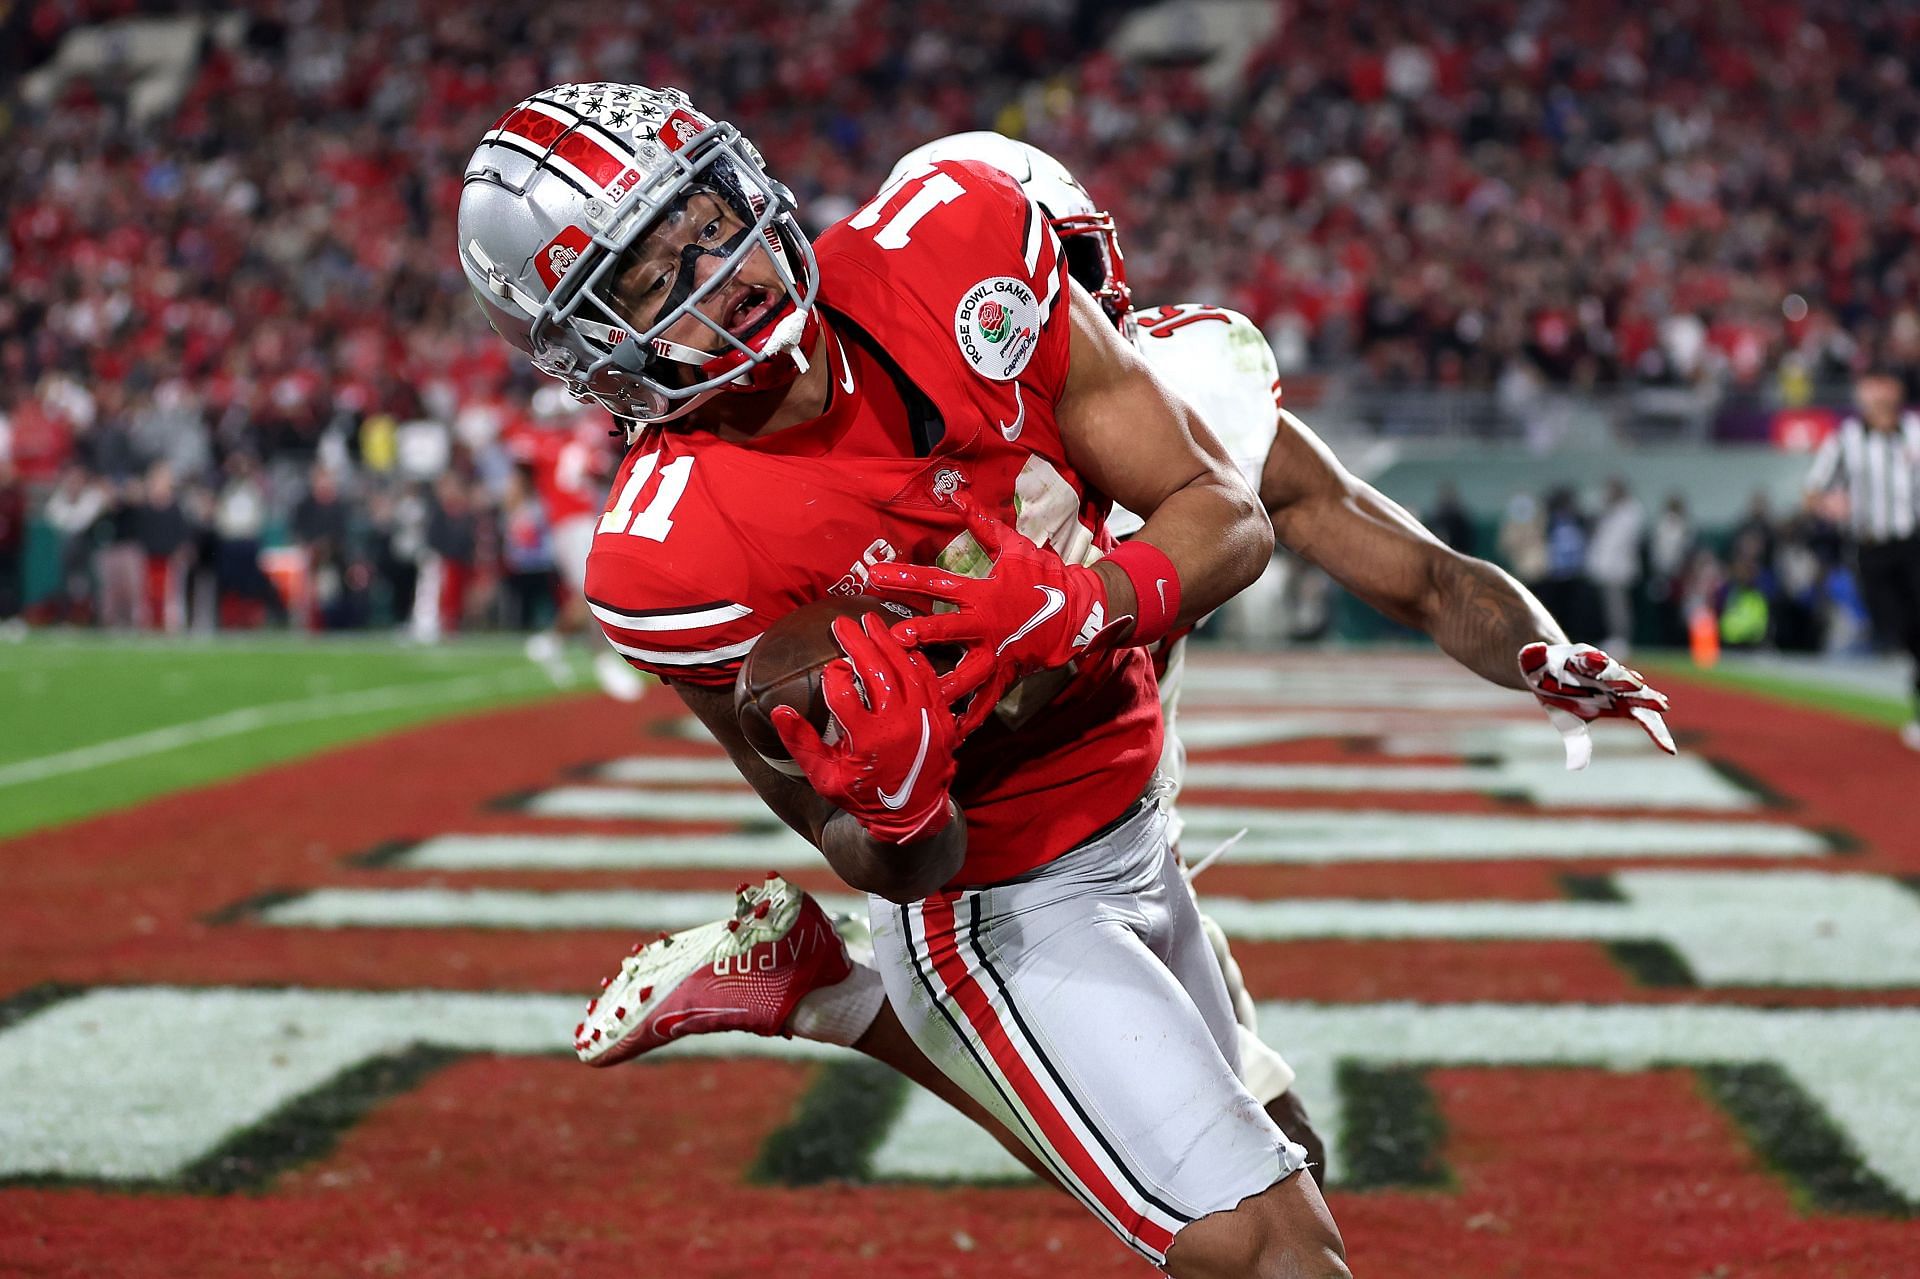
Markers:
<point>1860,704</point>
<point>90,723</point>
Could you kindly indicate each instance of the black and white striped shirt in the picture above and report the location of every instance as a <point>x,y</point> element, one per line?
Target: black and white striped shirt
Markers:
<point>1881,473</point>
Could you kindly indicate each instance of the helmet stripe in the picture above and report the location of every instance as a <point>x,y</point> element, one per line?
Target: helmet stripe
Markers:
<point>593,161</point>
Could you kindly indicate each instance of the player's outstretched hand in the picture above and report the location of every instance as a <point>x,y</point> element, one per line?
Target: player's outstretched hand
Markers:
<point>892,761</point>
<point>1032,612</point>
<point>1577,683</point>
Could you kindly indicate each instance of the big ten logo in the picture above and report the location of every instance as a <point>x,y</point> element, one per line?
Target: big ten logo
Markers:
<point>854,582</point>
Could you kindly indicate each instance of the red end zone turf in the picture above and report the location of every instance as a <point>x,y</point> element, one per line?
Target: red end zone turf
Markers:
<point>442,1160</point>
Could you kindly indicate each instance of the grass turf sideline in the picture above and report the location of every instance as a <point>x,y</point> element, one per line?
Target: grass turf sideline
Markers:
<point>98,723</point>
<point>1856,704</point>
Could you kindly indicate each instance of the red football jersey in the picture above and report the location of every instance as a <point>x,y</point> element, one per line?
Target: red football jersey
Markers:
<point>567,462</point>
<point>943,303</point>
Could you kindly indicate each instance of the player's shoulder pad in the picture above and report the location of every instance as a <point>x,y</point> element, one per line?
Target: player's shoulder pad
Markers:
<point>1218,337</point>
<point>961,246</point>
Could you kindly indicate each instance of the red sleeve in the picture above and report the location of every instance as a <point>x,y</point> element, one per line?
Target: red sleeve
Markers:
<point>665,627</point>
<point>959,247</point>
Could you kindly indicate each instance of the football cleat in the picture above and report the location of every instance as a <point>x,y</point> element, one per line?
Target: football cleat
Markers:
<point>745,972</point>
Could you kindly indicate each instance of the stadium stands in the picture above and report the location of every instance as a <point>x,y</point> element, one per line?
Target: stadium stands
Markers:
<point>231,235</point>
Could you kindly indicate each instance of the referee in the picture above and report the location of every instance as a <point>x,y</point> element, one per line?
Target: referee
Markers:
<point>1873,460</point>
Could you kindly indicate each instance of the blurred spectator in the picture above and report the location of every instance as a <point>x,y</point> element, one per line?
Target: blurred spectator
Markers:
<point>526,553</point>
<point>1746,609</point>
<point>239,515</point>
<point>1668,548</point>
<point>166,543</point>
<point>1755,532</point>
<point>321,520</point>
<point>1613,562</point>
<point>1798,574</point>
<point>1523,539</point>
<point>73,511</point>
<point>121,566</point>
<point>1565,589</point>
<point>398,527</point>
<point>13,538</point>
<point>1449,521</point>
<point>446,574</point>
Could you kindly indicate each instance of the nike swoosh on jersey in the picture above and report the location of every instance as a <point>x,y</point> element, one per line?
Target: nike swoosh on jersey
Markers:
<point>845,376</point>
<point>895,799</point>
<point>1019,420</point>
<point>1056,600</point>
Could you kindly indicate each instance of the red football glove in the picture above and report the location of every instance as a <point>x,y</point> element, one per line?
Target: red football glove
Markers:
<point>1033,612</point>
<point>1578,683</point>
<point>892,762</point>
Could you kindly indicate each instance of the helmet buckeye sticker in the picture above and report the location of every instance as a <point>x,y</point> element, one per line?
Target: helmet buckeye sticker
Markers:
<point>997,325</point>
<point>681,127</point>
<point>559,253</point>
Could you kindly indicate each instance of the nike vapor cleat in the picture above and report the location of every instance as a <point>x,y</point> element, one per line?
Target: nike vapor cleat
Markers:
<point>745,972</point>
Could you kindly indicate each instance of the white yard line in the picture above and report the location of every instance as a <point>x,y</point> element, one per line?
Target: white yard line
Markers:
<point>250,719</point>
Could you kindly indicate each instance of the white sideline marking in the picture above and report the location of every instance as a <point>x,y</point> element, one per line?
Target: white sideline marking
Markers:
<point>213,1062</point>
<point>1315,836</point>
<point>249,719</point>
<point>608,802</point>
<point>775,850</point>
<point>1322,837</point>
<point>208,1063</point>
<point>1687,782</point>
<point>623,909</point>
<point>1855,1063</point>
<point>1733,928</point>
<point>652,770</point>
<point>1405,733</point>
<point>1294,835</point>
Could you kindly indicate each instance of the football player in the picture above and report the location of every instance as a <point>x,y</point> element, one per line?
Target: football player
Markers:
<point>925,386</point>
<point>566,453</point>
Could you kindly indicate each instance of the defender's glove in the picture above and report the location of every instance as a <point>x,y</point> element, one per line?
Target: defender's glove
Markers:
<point>1032,612</point>
<point>892,761</point>
<point>1577,683</point>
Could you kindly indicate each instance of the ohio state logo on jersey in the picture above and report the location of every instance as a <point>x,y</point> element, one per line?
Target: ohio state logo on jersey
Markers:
<point>997,325</point>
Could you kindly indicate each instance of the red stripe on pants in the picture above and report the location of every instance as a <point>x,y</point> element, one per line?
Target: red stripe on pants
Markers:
<point>943,950</point>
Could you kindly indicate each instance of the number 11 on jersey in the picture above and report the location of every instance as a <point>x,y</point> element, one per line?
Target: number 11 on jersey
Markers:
<point>656,521</point>
<point>934,191</point>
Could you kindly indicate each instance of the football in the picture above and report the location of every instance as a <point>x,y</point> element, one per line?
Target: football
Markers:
<point>783,669</point>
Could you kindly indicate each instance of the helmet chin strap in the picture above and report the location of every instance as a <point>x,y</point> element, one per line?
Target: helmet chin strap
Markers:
<point>784,338</point>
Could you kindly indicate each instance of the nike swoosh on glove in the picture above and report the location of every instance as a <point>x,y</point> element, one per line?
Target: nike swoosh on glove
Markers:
<point>1032,612</point>
<point>892,763</point>
<point>1577,683</point>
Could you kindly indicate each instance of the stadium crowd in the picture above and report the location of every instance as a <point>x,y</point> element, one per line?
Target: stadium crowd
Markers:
<point>238,322</point>
<point>1630,576</point>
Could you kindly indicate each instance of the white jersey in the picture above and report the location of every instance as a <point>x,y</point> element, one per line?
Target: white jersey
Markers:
<point>1219,362</point>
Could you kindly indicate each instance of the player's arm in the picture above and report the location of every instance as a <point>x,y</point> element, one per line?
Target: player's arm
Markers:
<point>1147,449</point>
<point>1475,612</point>
<point>1478,614</point>
<point>1205,537</point>
<point>897,872</point>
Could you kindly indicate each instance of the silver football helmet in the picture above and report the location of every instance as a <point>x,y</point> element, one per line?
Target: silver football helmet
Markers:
<point>567,183</point>
<point>1086,231</point>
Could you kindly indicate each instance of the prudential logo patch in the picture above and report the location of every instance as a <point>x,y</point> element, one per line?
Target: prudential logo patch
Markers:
<point>997,325</point>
